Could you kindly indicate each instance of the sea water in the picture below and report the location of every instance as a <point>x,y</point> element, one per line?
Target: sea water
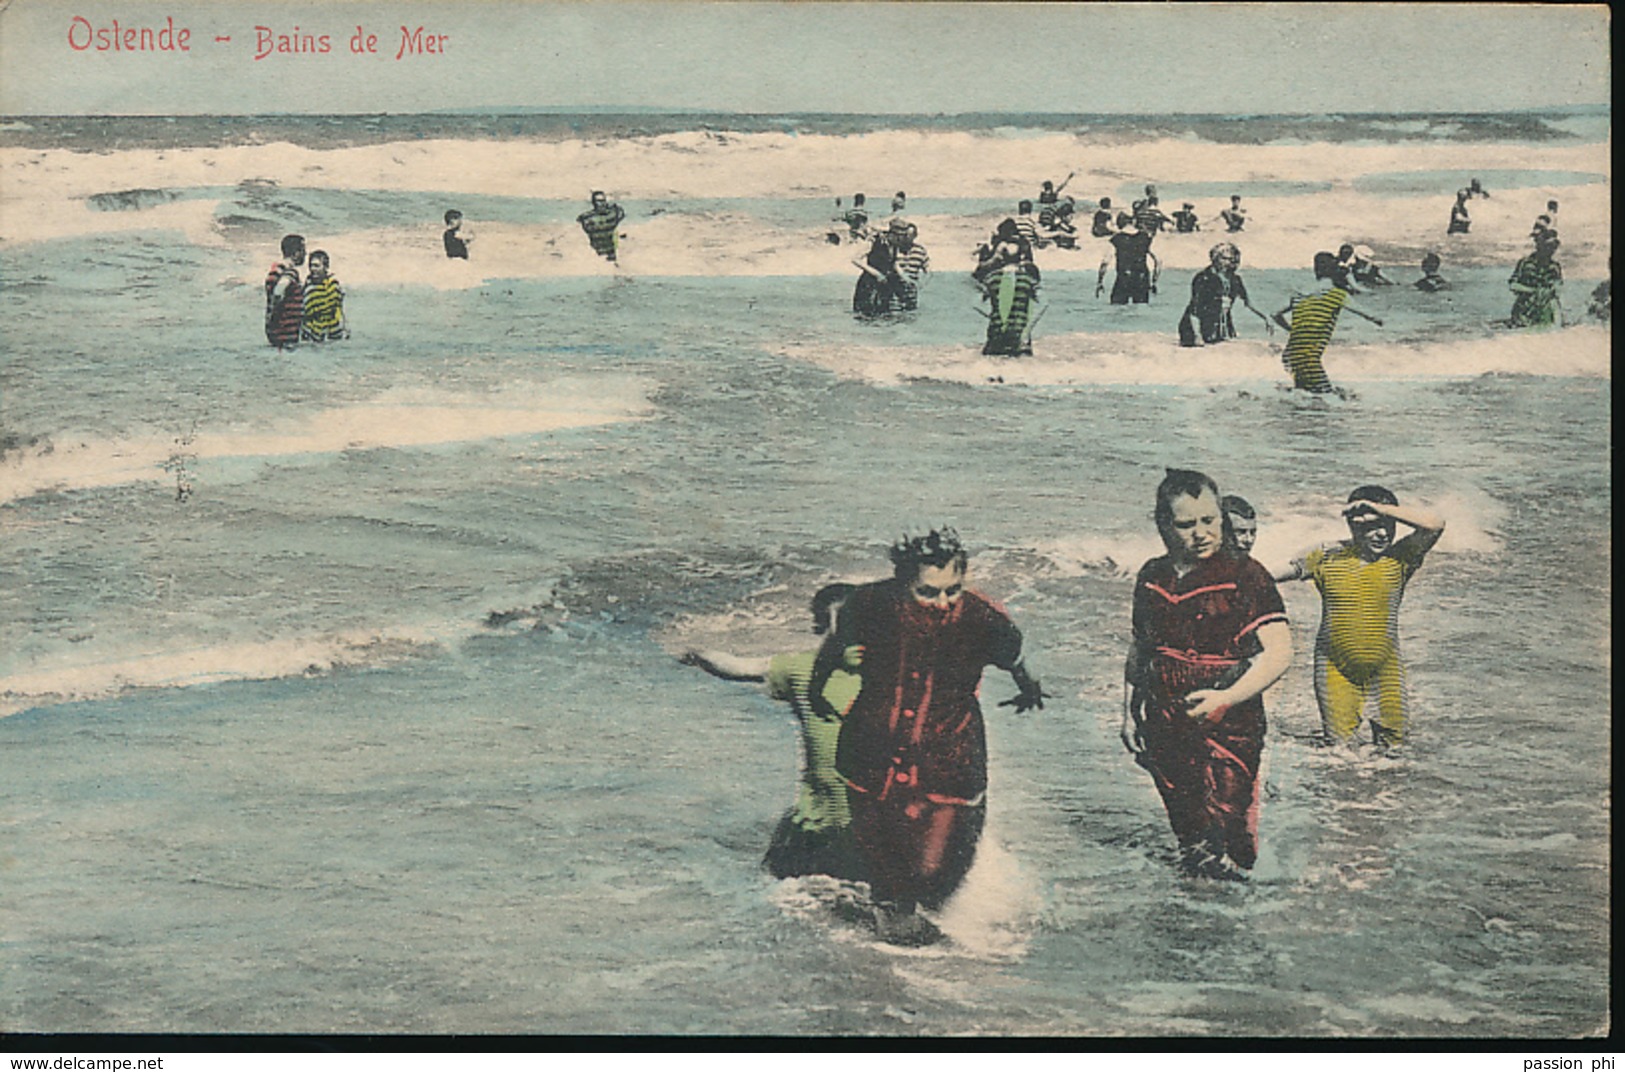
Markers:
<point>340,685</point>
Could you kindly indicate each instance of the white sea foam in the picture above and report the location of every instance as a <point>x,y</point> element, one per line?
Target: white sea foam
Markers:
<point>1141,358</point>
<point>45,191</point>
<point>406,418</point>
<point>93,675</point>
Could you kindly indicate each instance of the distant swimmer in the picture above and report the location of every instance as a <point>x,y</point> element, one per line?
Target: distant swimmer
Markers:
<point>1314,318</point>
<point>1136,281</point>
<point>1431,280</point>
<point>1476,189</point>
<point>1102,224</point>
<point>856,219</point>
<point>1600,306</point>
<point>285,296</point>
<point>1055,223</point>
<point>1027,224</point>
<point>877,290</point>
<point>1362,266</point>
<point>1210,635</point>
<point>601,223</point>
<point>1362,581</point>
<point>1185,220</point>
<point>912,262</point>
<point>324,303</point>
<point>1537,281</point>
<point>899,202</point>
<point>1234,217</point>
<point>458,237</point>
<point>913,748</point>
<point>1461,222</point>
<point>1050,193</point>
<point>1148,214</point>
<point>1214,291</point>
<point>1010,282</point>
<point>1240,524</point>
<point>815,835</point>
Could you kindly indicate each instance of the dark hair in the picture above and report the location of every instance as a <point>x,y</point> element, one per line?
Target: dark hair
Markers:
<point>1373,493</point>
<point>1007,229</point>
<point>322,253</point>
<point>1105,202</point>
<point>1024,206</point>
<point>453,214</point>
<point>1179,482</point>
<point>1430,258</point>
<point>900,193</point>
<point>1327,266</point>
<point>292,244</point>
<point>1345,250</point>
<point>600,193</point>
<point>857,199</point>
<point>831,595</point>
<point>1124,219</point>
<point>1235,504</point>
<point>939,547</point>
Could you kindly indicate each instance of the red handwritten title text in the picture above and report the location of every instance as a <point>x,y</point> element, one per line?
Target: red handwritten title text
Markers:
<point>84,35</point>
<point>414,42</point>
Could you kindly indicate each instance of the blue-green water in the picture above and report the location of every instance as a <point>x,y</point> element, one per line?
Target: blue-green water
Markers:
<point>385,732</point>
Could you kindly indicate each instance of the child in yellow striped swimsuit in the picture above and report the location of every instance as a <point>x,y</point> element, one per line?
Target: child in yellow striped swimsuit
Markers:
<point>1361,583</point>
<point>324,303</point>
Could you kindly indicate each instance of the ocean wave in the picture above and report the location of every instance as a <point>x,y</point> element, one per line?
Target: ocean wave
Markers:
<point>95,133</point>
<point>73,680</point>
<point>403,418</point>
<point>1142,358</point>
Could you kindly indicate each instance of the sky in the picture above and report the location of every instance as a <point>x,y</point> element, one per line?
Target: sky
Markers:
<point>803,57</point>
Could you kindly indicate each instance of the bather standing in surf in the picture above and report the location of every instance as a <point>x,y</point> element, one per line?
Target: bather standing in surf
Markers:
<point>913,750</point>
<point>600,222</point>
<point>1210,635</point>
<point>285,295</point>
<point>815,836</point>
<point>1314,318</point>
<point>1009,281</point>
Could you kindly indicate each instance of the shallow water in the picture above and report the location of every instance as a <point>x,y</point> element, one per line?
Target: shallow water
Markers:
<point>342,696</point>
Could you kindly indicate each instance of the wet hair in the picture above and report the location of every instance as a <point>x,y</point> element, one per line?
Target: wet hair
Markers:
<point>826,598</point>
<point>1179,482</point>
<point>1430,261</point>
<point>452,215</point>
<point>1374,493</point>
<point>1024,206</point>
<point>292,244</point>
<point>1235,504</point>
<point>939,547</point>
<point>319,255</point>
<point>1327,266</point>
